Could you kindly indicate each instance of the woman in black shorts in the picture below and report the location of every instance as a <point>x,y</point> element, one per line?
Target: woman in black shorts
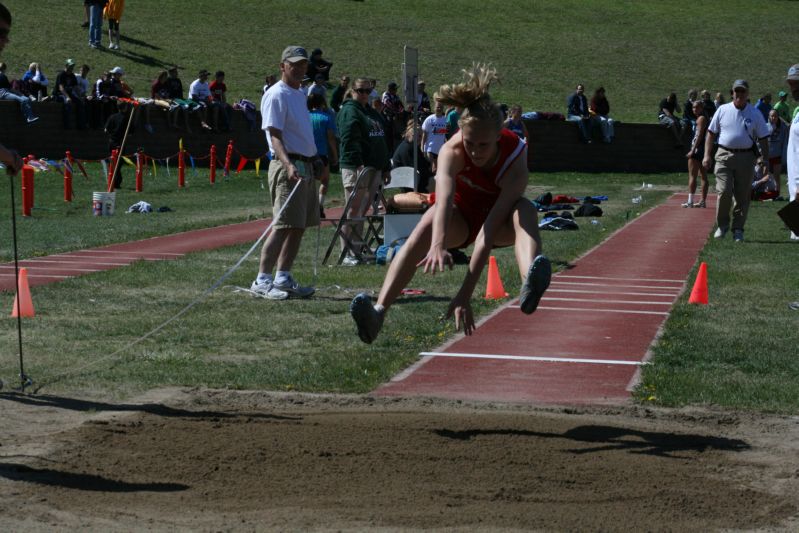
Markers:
<point>695,155</point>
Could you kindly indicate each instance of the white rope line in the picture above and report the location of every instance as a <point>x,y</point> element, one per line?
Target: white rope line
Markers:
<point>186,309</point>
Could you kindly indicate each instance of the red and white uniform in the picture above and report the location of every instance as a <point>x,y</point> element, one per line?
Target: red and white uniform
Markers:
<point>476,189</point>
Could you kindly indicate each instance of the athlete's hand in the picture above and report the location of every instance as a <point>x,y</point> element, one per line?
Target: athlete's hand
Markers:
<point>461,309</point>
<point>436,259</point>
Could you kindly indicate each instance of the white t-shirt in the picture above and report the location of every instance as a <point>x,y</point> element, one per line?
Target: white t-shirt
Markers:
<point>199,90</point>
<point>286,109</point>
<point>436,130</point>
<point>738,128</point>
<point>793,158</point>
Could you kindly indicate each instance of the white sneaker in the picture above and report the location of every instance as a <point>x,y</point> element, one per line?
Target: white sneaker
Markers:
<point>268,291</point>
<point>350,261</point>
<point>293,288</point>
<point>688,204</point>
<point>720,233</point>
<point>794,236</point>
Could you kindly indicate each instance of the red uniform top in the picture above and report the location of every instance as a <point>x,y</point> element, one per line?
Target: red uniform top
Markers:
<point>217,88</point>
<point>476,189</point>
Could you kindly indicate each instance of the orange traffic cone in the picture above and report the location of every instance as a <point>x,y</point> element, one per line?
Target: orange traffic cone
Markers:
<point>699,292</point>
<point>494,288</point>
<point>24,295</point>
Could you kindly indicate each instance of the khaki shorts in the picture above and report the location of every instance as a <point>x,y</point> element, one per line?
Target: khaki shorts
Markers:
<point>350,176</point>
<point>303,209</point>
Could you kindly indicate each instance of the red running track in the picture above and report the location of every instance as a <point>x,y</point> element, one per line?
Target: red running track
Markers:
<point>592,331</point>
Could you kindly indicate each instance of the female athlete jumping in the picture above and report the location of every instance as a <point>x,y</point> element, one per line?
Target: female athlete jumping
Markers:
<point>482,175</point>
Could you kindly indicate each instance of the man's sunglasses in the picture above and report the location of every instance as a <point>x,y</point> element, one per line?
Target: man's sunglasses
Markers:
<point>363,90</point>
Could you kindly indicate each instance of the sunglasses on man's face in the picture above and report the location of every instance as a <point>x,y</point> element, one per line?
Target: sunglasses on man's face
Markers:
<point>363,90</point>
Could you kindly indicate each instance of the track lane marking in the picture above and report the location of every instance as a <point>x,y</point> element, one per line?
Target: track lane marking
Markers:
<point>534,358</point>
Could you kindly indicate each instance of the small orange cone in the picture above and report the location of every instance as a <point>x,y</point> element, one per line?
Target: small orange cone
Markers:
<point>494,288</point>
<point>699,292</point>
<point>24,295</point>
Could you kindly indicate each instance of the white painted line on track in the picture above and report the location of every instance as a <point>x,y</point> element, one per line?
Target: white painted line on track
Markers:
<point>68,262</point>
<point>588,310</point>
<point>625,293</point>
<point>32,275</point>
<point>559,276</point>
<point>38,268</point>
<point>555,281</point>
<point>117,252</point>
<point>534,358</point>
<point>602,301</point>
<point>152,257</point>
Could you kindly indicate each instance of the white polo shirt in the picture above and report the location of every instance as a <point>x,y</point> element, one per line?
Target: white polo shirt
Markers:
<point>738,128</point>
<point>286,109</point>
<point>793,157</point>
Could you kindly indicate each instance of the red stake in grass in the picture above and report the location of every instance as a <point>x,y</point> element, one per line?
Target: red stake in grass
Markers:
<point>228,157</point>
<point>68,177</point>
<point>212,165</point>
<point>139,171</point>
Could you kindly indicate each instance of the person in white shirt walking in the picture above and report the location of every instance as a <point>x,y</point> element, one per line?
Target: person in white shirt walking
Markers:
<point>739,128</point>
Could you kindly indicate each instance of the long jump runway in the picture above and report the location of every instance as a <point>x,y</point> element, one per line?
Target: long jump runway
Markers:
<point>592,331</point>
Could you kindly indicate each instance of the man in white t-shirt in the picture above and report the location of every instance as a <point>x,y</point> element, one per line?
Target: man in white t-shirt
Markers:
<point>295,204</point>
<point>737,127</point>
<point>434,135</point>
<point>793,142</point>
<point>200,92</point>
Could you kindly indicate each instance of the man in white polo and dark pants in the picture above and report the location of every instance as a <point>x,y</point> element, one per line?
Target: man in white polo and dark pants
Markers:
<point>287,123</point>
<point>793,142</point>
<point>738,128</point>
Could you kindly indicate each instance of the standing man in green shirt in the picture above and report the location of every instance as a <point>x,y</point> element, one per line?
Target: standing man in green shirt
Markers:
<point>782,107</point>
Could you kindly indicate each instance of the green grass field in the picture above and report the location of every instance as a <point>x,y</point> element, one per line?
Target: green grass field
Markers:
<point>638,50</point>
<point>738,352</point>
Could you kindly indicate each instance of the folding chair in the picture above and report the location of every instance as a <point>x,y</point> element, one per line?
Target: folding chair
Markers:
<point>354,248</point>
<point>389,227</point>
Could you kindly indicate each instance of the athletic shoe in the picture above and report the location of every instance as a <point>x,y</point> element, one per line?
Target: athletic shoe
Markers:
<point>688,204</point>
<point>794,236</point>
<point>700,204</point>
<point>793,306</point>
<point>268,291</point>
<point>368,319</point>
<point>32,120</point>
<point>537,281</point>
<point>350,261</point>
<point>293,288</point>
<point>738,235</point>
<point>720,233</point>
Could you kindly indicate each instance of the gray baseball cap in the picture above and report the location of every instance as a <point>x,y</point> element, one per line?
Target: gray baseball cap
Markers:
<point>743,84</point>
<point>292,54</point>
<point>793,73</point>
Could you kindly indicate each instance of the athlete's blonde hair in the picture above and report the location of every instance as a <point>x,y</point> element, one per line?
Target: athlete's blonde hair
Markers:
<point>471,96</point>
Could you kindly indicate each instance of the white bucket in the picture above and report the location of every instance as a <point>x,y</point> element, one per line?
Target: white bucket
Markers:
<point>103,203</point>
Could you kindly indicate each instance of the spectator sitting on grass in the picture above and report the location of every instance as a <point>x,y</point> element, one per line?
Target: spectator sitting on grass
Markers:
<point>35,83</point>
<point>219,100</point>
<point>514,122</point>
<point>688,117</point>
<point>600,110</point>
<point>6,93</point>
<point>707,104</point>
<point>668,106</point>
<point>64,91</point>
<point>764,186</point>
<point>318,65</point>
<point>200,92</point>
<point>577,111</point>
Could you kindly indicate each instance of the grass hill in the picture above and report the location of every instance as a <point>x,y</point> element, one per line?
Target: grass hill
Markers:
<point>638,50</point>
